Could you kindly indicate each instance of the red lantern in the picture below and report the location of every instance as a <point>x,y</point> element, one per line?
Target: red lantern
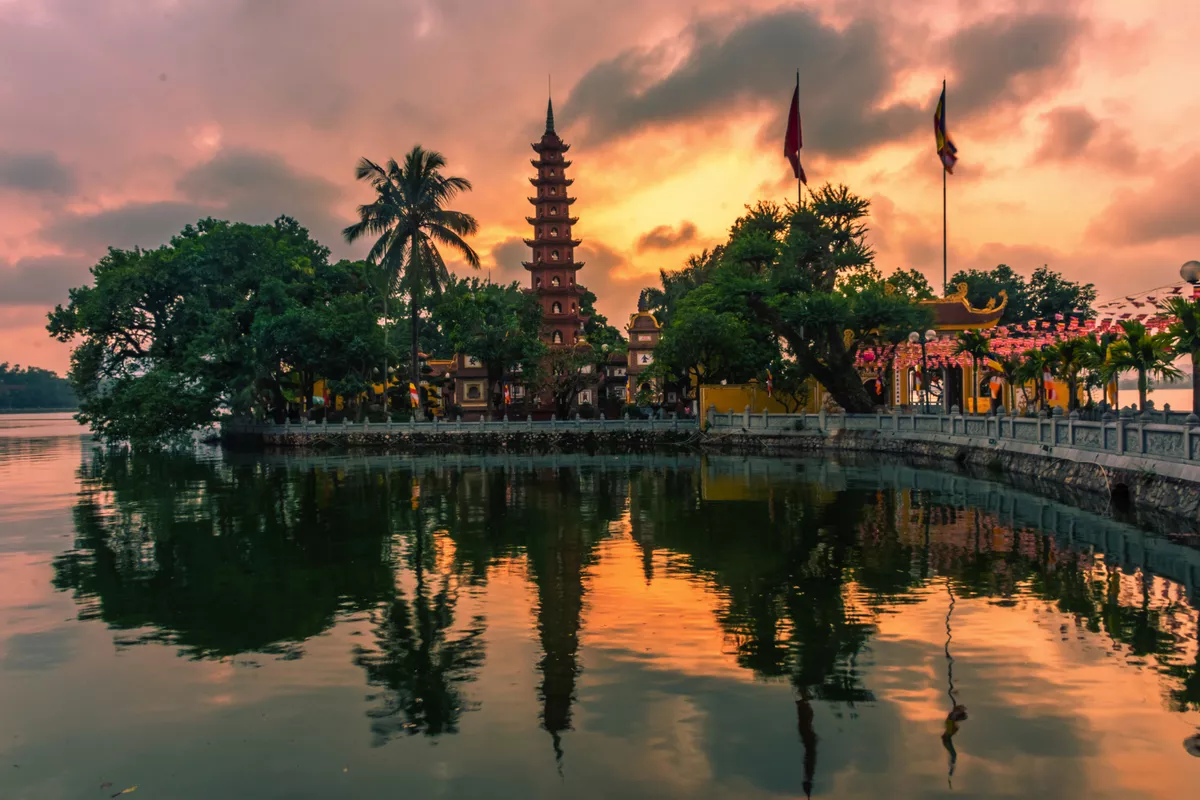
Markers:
<point>868,356</point>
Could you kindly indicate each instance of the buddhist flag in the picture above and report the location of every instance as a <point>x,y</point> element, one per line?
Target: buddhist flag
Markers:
<point>770,383</point>
<point>412,396</point>
<point>507,395</point>
<point>794,141</point>
<point>945,148</point>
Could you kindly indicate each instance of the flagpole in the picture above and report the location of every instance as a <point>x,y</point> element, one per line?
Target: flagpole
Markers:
<point>945,278</point>
<point>799,183</point>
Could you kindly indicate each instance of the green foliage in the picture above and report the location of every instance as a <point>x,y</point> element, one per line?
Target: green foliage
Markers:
<point>911,283</point>
<point>1043,296</point>
<point>789,384</point>
<point>33,388</point>
<point>1149,355</point>
<point>712,339</point>
<point>794,280</point>
<point>563,374</point>
<point>223,319</point>
<point>603,338</point>
<point>409,221</point>
<point>1071,357</point>
<point>979,347</point>
<point>495,323</point>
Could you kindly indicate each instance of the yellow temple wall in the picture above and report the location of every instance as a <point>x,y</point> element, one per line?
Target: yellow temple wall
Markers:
<point>736,397</point>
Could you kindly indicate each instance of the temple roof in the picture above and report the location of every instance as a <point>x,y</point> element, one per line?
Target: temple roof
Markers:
<point>540,220</point>
<point>556,198</point>
<point>557,240</point>
<point>955,313</point>
<point>643,321</point>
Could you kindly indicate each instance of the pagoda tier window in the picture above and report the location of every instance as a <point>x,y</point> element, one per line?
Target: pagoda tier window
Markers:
<point>556,338</point>
<point>555,281</point>
<point>556,308</point>
<point>551,172</point>
<point>553,211</point>
<point>554,255</point>
<point>537,283</point>
<point>572,308</point>
<point>554,231</point>
<point>553,190</point>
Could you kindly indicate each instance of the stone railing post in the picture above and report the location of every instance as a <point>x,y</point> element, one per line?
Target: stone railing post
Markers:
<point>366,425</point>
<point>746,417</point>
<point>766,420</point>
<point>1189,425</point>
<point>821,420</point>
<point>895,420</point>
<point>1121,434</point>
<point>553,421</point>
<point>1072,418</point>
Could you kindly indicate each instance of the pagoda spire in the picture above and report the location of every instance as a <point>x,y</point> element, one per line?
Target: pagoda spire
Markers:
<point>550,116</point>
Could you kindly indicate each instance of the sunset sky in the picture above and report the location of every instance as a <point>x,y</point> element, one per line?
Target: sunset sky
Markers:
<point>126,119</point>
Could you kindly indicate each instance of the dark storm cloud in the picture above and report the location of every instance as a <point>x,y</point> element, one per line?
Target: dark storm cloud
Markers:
<point>664,237</point>
<point>1011,59</point>
<point>1074,134</point>
<point>1068,133</point>
<point>43,280</point>
<point>145,225</point>
<point>1164,211</point>
<point>748,66</point>
<point>238,185</point>
<point>35,173</point>
<point>506,259</point>
<point>846,76</point>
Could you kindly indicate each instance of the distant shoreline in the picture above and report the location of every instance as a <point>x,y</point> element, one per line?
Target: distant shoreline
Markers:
<point>37,410</point>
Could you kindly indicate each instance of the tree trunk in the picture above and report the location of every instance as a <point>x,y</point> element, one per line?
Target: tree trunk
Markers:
<point>1195,385</point>
<point>1143,390</point>
<point>975,384</point>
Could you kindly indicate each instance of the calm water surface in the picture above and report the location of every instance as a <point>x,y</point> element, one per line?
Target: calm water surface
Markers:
<point>217,625</point>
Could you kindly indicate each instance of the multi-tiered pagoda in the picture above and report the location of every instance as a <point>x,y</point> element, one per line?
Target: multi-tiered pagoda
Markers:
<point>554,266</point>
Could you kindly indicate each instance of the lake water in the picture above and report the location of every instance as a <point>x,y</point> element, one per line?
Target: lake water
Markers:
<point>216,625</point>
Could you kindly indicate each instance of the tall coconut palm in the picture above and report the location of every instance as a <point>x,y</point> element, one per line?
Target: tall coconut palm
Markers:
<point>1185,327</point>
<point>409,221</point>
<point>979,347</point>
<point>1071,357</point>
<point>1149,355</point>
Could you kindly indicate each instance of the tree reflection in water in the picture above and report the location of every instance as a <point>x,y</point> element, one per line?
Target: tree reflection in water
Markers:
<point>258,556</point>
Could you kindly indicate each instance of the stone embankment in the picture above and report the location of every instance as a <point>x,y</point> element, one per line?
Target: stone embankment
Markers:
<point>1154,466</point>
<point>616,436</point>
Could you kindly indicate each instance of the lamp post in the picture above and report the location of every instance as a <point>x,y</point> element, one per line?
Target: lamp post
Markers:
<point>923,340</point>
<point>1190,272</point>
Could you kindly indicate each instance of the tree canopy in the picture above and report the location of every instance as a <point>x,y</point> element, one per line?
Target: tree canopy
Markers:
<point>33,387</point>
<point>494,323</point>
<point>1046,294</point>
<point>226,318</point>
<point>794,282</point>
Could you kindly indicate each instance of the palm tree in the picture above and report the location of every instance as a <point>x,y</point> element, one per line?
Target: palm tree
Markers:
<point>1010,370</point>
<point>409,219</point>
<point>1034,364</point>
<point>1099,361</point>
<point>979,347</point>
<point>1185,327</point>
<point>1072,358</point>
<point>1149,355</point>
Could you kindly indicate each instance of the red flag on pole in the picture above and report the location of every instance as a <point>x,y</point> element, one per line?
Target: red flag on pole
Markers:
<point>794,141</point>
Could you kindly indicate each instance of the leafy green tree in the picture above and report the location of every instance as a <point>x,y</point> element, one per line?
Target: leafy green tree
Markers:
<point>1010,370</point>
<point>1149,355</point>
<point>1185,328</point>
<point>170,338</point>
<point>603,337</point>
<point>911,283</point>
<point>1044,296</point>
<point>789,384</point>
<point>409,221</point>
<point>979,347</point>
<point>563,374</point>
<point>1053,296</point>
<point>812,299</point>
<point>33,387</point>
<point>985,285</point>
<point>1100,369</point>
<point>675,285</point>
<point>708,341</point>
<point>497,324</point>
